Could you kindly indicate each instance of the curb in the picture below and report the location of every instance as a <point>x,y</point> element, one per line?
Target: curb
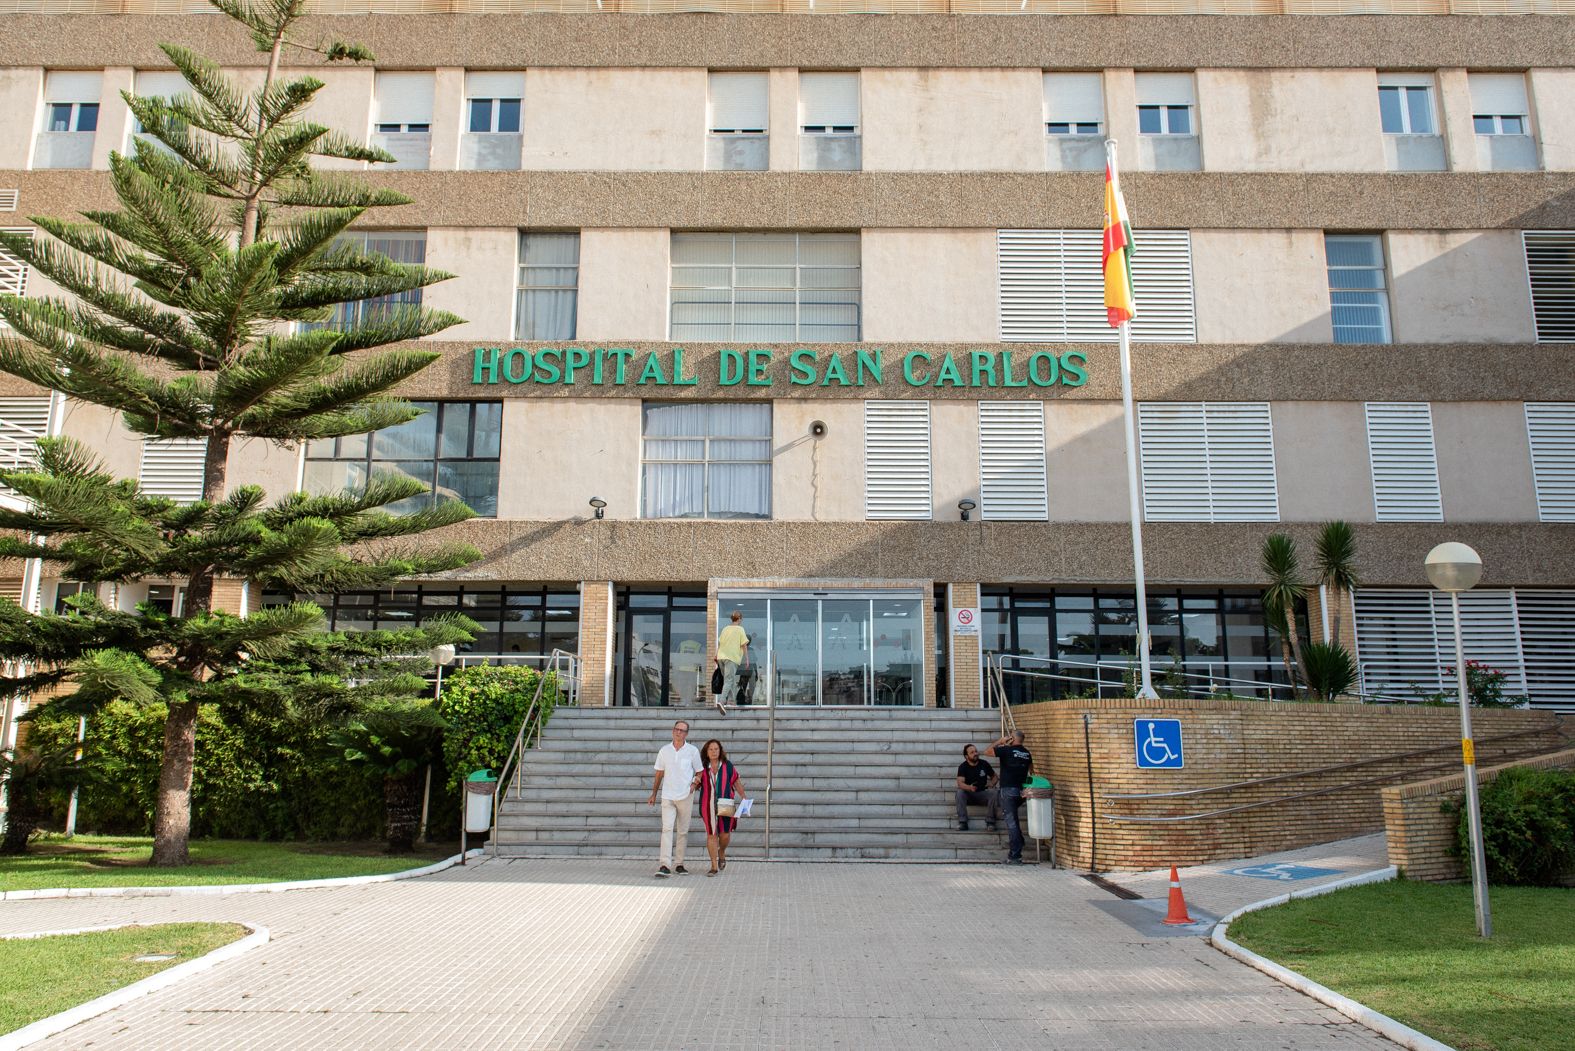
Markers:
<point>1379,1023</point>
<point>231,888</point>
<point>57,1023</point>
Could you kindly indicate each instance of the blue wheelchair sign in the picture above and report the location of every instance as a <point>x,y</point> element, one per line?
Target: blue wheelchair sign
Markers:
<point>1157,743</point>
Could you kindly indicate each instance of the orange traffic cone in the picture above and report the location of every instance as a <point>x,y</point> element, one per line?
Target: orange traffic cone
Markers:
<point>1178,905</point>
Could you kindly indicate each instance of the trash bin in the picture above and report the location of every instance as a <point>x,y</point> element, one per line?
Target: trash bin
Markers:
<point>480,787</point>
<point>1039,795</point>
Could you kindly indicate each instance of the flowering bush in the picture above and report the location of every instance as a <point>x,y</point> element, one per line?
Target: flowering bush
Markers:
<point>1485,685</point>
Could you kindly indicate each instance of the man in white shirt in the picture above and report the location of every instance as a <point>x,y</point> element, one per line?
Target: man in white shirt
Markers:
<point>678,770</point>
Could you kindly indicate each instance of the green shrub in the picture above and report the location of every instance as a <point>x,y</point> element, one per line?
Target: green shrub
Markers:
<point>1329,668</point>
<point>484,706</point>
<point>1528,827</point>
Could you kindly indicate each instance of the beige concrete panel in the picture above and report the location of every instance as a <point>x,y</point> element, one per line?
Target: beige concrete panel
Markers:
<point>21,101</point>
<point>1484,462</point>
<point>929,285</point>
<point>1121,121</point>
<point>273,465</point>
<point>1320,461</point>
<point>100,429</point>
<point>615,119</point>
<point>344,104</point>
<point>114,116</point>
<point>448,117</point>
<point>1460,138</point>
<point>624,276</point>
<point>1553,113</point>
<point>953,119</point>
<point>1087,466</point>
<point>1459,287</point>
<point>1290,120</point>
<point>817,479</point>
<point>559,454</point>
<point>782,119</point>
<point>1285,267</point>
<point>954,456</point>
<point>485,262</point>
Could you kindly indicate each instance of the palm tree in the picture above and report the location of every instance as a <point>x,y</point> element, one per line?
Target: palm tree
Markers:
<point>397,738</point>
<point>1282,566</point>
<point>1336,548</point>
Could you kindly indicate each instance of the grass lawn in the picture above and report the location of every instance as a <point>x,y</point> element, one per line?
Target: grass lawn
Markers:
<point>44,976</point>
<point>122,861</point>
<point>1411,951</point>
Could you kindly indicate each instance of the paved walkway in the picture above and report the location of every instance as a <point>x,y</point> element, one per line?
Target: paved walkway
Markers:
<point>571,955</point>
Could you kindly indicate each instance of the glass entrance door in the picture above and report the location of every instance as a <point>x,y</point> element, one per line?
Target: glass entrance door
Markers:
<point>833,649</point>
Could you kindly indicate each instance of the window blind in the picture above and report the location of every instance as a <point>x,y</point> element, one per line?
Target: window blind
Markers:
<point>73,87</point>
<point>160,83</point>
<point>1550,426</point>
<point>1499,94</point>
<point>404,98</point>
<point>897,459</point>
<point>1074,98</point>
<point>1550,266</point>
<point>1012,461</point>
<point>1165,89</point>
<point>828,100</point>
<point>1208,462</point>
<point>494,85</point>
<point>1404,464</point>
<point>173,468</point>
<point>1052,290</point>
<point>738,102</point>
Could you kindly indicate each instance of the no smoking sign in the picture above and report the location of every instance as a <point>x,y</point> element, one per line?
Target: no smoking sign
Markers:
<point>965,620</point>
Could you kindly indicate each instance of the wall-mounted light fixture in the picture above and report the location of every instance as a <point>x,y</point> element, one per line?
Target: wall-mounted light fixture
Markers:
<point>600,505</point>
<point>965,506</point>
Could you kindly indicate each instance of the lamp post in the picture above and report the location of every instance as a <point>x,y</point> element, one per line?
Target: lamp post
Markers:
<point>1455,568</point>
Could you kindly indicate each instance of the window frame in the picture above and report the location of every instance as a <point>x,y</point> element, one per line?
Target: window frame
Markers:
<point>1386,307</point>
<point>1403,90</point>
<point>1167,110</point>
<point>495,113</point>
<point>799,289</point>
<point>706,463</point>
<point>521,286</point>
<point>74,114</point>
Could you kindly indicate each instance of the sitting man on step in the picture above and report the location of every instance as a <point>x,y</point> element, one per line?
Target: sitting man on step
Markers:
<point>976,783</point>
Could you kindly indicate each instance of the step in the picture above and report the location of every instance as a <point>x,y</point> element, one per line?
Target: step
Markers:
<point>554,801</point>
<point>645,818</point>
<point>697,861</point>
<point>784,838</point>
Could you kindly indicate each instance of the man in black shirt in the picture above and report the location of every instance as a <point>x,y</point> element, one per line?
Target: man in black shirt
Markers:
<point>975,786</point>
<point>1017,762</point>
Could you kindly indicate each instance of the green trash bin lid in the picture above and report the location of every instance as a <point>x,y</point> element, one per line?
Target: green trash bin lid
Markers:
<point>1037,782</point>
<point>481,775</point>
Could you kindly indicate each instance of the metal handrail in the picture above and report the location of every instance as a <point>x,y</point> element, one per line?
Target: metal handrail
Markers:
<point>1212,680</point>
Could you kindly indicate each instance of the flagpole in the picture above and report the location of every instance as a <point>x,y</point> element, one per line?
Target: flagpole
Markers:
<point>1146,689</point>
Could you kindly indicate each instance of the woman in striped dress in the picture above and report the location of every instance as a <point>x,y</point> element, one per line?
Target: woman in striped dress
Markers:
<point>719,780</point>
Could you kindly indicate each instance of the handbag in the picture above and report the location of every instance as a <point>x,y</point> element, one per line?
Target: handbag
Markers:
<point>716,681</point>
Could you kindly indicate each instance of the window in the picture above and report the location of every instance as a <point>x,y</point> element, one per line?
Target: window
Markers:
<point>517,620</point>
<point>1404,464</point>
<point>705,461</point>
<point>494,115</point>
<point>1052,287</point>
<point>1165,103</point>
<point>737,119</point>
<point>828,114</point>
<point>1551,429</point>
<point>157,84</point>
<point>175,468</point>
<point>1074,104</point>
<point>1208,462</point>
<point>1358,299</point>
<point>1012,461</point>
<point>403,122</point>
<point>492,140</point>
<point>1498,104</point>
<point>897,459</point>
<point>73,116</point>
<point>70,589</point>
<point>1405,104</point>
<point>452,448</point>
<point>1550,266</point>
<point>70,117</point>
<point>765,288</point>
<point>548,286</point>
<point>402,246</point>
<point>660,653</point>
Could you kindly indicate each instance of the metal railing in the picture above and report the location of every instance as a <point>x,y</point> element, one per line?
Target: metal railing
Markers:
<point>1451,762</point>
<point>830,7</point>
<point>1108,677</point>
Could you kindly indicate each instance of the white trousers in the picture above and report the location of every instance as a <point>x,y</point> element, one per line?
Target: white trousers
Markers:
<point>675,816</point>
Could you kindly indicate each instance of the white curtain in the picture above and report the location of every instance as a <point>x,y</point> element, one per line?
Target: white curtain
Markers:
<point>548,286</point>
<point>707,461</point>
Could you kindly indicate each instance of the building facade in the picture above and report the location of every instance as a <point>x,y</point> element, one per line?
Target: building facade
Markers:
<point>799,314</point>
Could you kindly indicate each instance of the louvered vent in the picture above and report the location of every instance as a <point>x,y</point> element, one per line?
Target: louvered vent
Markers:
<point>1550,425</point>
<point>13,272</point>
<point>1406,642</point>
<point>11,589</point>
<point>8,199</point>
<point>1012,460</point>
<point>1052,287</point>
<point>1208,462</point>
<point>1550,264</point>
<point>1404,465</point>
<point>897,459</point>
<point>22,422</point>
<point>173,468</point>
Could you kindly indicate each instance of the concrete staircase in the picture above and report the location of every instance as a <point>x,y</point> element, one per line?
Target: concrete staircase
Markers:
<point>848,784</point>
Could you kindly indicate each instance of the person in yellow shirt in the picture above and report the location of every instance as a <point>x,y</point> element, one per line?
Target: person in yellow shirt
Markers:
<point>732,650</point>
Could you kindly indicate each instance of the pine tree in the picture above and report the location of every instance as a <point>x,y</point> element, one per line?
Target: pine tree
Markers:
<point>203,308</point>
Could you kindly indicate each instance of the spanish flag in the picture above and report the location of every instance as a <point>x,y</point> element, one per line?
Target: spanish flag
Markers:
<point>1117,257</point>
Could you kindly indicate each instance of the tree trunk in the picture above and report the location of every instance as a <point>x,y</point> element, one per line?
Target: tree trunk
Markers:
<point>402,811</point>
<point>172,808</point>
<point>1290,668</point>
<point>1296,649</point>
<point>215,472</point>
<point>1336,599</point>
<point>21,819</point>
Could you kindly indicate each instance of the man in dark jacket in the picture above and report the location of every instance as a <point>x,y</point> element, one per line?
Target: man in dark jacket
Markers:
<point>1017,763</point>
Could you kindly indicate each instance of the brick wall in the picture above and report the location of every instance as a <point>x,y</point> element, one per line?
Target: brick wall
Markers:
<point>596,642</point>
<point>1226,742</point>
<point>966,680</point>
<point>1422,833</point>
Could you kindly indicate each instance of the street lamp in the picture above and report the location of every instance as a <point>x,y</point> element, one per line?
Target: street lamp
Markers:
<point>1455,568</point>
